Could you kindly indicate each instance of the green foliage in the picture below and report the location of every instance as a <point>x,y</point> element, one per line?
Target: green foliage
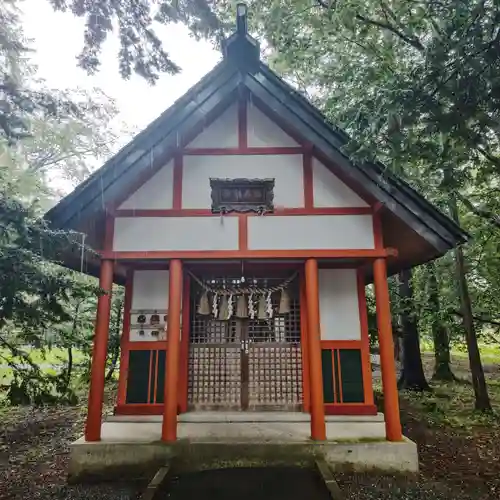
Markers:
<point>34,291</point>
<point>42,304</point>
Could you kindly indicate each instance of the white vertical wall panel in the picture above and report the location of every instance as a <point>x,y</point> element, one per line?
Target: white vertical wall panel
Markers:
<point>263,132</point>
<point>338,305</point>
<point>222,133</point>
<point>308,232</point>
<point>330,191</point>
<point>175,233</point>
<point>156,193</point>
<point>150,289</point>
<point>287,171</point>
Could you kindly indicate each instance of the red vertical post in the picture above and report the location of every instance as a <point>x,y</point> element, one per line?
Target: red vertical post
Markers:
<point>169,426</point>
<point>124,340</point>
<point>97,374</point>
<point>318,428</point>
<point>386,343</point>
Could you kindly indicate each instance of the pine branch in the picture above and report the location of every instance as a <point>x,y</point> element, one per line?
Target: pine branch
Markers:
<point>481,319</point>
<point>479,211</point>
<point>490,157</point>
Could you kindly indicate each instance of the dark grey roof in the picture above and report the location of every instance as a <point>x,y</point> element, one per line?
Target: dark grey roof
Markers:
<point>241,69</point>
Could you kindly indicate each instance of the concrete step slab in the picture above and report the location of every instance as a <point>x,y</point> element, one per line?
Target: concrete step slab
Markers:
<point>235,417</point>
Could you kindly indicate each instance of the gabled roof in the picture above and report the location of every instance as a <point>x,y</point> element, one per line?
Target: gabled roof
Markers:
<point>241,70</point>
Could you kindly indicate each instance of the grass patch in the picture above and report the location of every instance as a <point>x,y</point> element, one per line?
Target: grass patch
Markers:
<point>55,356</point>
<point>490,353</point>
<point>452,404</point>
<point>50,361</point>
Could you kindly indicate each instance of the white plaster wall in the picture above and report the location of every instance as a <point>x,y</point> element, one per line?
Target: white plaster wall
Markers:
<point>330,191</point>
<point>222,133</point>
<point>156,193</point>
<point>150,289</point>
<point>287,171</point>
<point>308,232</point>
<point>263,132</point>
<point>149,293</point>
<point>175,233</point>
<point>338,305</point>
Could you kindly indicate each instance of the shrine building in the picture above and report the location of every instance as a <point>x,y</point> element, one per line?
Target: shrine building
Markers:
<point>244,237</point>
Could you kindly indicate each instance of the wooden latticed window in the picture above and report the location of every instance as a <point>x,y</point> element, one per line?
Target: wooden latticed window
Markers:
<point>242,195</point>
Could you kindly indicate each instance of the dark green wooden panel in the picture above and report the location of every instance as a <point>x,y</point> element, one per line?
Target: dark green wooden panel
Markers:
<point>327,369</point>
<point>160,384</point>
<point>138,377</point>
<point>351,369</point>
<point>337,376</point>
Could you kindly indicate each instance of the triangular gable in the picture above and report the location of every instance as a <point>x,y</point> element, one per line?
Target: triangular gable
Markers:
<point>263,132</point>
<point>330,191</point>
<point>239,76</point>
<point>154,193</point>
<point>221,133</point>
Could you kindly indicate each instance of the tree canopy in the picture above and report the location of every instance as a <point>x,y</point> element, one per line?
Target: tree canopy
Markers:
<point>45,135</point>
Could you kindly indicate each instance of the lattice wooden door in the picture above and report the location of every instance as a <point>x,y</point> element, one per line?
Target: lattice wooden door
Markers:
<point>275,361</point>
<point>244,363</point>
<point>214,364</point>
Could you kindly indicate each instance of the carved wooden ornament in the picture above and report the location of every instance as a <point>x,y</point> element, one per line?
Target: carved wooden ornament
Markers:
<point>242,195</point>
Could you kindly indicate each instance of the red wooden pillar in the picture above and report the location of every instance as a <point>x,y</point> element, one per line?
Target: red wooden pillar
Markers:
<point>169,427</point>
<point>386,343</point>
<point>318,428</point>
<point>97,375</point>
<point>124,340</point>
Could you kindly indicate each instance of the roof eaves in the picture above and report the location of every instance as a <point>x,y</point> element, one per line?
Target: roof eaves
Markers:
<point>154,141</point>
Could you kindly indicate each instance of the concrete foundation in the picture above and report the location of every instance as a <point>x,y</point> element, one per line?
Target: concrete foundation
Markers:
<point>131,446</point>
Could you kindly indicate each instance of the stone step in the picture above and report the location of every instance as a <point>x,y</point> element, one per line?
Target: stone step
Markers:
<point>242,417</point>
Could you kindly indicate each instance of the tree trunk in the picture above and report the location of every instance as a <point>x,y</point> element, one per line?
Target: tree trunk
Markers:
<point>442,357</point>
<point>482,400</point>
<point>412,376</point>
<point>114,360</point>
<point>69,371</point>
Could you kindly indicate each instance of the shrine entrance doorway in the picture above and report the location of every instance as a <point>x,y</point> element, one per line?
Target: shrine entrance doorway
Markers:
<point>246,363</point>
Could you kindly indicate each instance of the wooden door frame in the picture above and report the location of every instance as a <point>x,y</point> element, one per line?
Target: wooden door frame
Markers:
<point>244,364</point>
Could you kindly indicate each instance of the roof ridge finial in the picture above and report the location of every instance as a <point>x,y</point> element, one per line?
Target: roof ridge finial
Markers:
<point>240,48</point>
<point>241,19</point>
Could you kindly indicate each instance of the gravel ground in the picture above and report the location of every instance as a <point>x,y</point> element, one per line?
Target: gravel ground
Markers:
<point>105,491</point>
<point>34,445</point>
<point>375,487</point>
